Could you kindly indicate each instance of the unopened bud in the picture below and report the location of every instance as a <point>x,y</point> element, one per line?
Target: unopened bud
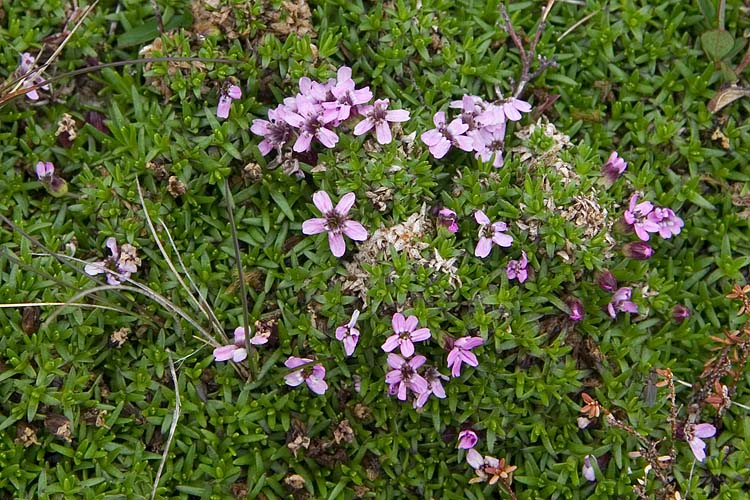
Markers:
<point>638,250</point>
<point>607,281</point>
<point>680,313</point>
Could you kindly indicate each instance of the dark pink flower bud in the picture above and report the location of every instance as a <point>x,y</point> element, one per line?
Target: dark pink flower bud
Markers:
<point>680,313</point>
<point>638,250</point>
<point>576,309</point>
<point>607,281</point>
<point>613,169</point>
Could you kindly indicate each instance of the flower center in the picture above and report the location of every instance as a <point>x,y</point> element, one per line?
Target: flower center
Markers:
<point>335,221</point>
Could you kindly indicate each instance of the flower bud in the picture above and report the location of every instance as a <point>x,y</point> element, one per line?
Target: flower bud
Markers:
<point>576,309</point>
<point>613,169</point>
<point>447,218</point>
<point>57,187</point>
<point>607,281</point>
<point>680,313</point>
<point>467,439</point>
<point>638,250</point>
<point>588,470</point>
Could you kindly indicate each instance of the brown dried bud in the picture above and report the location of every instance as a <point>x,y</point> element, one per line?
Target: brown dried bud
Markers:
<point>176,187</point>
<point>30,320</point>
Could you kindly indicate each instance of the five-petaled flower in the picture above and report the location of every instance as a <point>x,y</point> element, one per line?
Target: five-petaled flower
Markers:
<point>434,386</point>
<point>348,334</point>
<point>460,352</point>
<point>694,435</point>
<point>637,215</point>
<point>312,375</point>
<point>621,302</point>
<point>119,266</point>
<point>379,116</point>
<point>335,221</point>
<point>405,334</point>
<point>489,469</point>
<point>404,376</point>
<point>226,97</point>
<point>516,269</point>
<point>440,139</point>
<point>237,351</point>
<point>490,233</point>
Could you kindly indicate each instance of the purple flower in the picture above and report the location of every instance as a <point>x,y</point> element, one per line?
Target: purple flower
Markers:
<point>489,143</point>
<point>490,233</point>
<point>119,266</point>
<point>434,386</point>
<point>314,376</point>
<point>637,216</point>
<point>405,335</point>
<point>576,309</point>
<point>460,352</point>
<point>694,435</point>
<point>467,439</point>
<point>613,169</point>
<point>335,221</point>
<point>516,269</point>
<point>45,170</point>
<point>348,334</point>
<point>667,221</point>
<point>447,218</point>
<point>275,131</point>
<point>588,470</point>
<point>378,116</point>
<point>638,250</point>
<point>512,108</point>
<point>309,119</point>
<point>680,313</point>
<point>440,139</point>
<point>607,281</point>
<point>621,302</point>
<point>236,352</point>
<point>480,463</point>
<point>225,100</point>
<point>30,77</point>
<point>404,376</point>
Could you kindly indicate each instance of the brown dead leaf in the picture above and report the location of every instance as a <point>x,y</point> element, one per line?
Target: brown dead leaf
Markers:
<point>726,96</point>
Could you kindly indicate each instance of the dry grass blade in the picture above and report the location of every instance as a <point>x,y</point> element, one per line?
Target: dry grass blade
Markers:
<point>577,24</point>
<point>173,425</point>
<point>205,305</point>
<point>171,265</point>
<point>64,304</point>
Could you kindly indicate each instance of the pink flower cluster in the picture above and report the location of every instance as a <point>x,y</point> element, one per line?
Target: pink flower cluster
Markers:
<point>119,266</point>
<point>645,218</point>
<point>407,373</point>
<point>620,301</point>
<point>320,108</point>
<point>480,127</point>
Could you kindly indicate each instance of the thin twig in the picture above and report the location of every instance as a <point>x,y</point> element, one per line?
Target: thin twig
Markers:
<point>172,427</point>
<point>157,13</point>
<point>238,259</point>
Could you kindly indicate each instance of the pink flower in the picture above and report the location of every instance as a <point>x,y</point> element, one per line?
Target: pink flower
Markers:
<point>314,376</point>
<point>45,171</point>
<point>335,221</point>
<point>480,463</point>
<point>236,352</point>
<point>440,139</point>
<point>613,169</point>
<point>119,266</point>
<point>404,376</point>
<point>694,435</point>
<point>512,108</point>
<point>637,216</point>
<point>621,302</point>
<point>346,97</point>
<point>460,352</point>
<point>311,123</point>
<point>275,131</point>
<point>467,439</point>
<point>490,233</point>
<point>489,143</point>
<point>348,334</point>
<point>434,387</point>
<point>680,313</point>
<point>405,335</point>
<point>225,100</point>
<point>516,269</point>
<point>576,309</point>
<point>447,218</point>
<point>378,116</point>
<point>668,223</point>
<point>29,76</point>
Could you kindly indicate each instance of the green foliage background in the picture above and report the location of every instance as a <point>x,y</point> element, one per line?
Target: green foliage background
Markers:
<point>632,78</point>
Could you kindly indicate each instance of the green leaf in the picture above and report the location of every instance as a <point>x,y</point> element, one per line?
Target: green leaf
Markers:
<point>717,43</point>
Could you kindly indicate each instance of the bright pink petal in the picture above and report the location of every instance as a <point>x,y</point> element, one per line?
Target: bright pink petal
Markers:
<point>469,358</point>
<point>234,92</point>
<point>294,362</point>
<point>302,143</point>
<point>313,226</point>
<point>390,343</point>
<point>411,323</point>
<point>239,336</point>
<point>350,343</point>
<point>407,348</point>
<point>398,322</point>
<point>420,335</point>
<point>224,353</point>
<point>222,110</point>
<point>317,385</point>
<point>417,361</point>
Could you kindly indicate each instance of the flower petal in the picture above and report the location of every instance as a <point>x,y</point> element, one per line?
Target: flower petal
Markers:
<point>398,322</point>
<point>345,204</point>
<point>390,343</point>
<point>337,244</point>
<point>484,247</point>
<point>294,379</point>
<point>407,348</point>
<point>322,202</point>
<point>420,335</point>
<point>224,353</point>
<point>314,226</point>
<point>383,133</point>
<point>481,218</point>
